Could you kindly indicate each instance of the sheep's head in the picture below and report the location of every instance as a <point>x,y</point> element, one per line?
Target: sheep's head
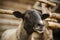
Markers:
<point>33,19</point>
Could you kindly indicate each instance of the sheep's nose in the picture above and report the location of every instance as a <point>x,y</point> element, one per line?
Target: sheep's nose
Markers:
<point>40,23</point>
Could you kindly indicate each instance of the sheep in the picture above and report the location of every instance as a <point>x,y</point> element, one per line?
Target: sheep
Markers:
<point>32,21</point>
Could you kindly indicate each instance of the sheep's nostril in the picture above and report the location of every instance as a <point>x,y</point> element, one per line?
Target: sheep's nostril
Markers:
<point>40,25</point>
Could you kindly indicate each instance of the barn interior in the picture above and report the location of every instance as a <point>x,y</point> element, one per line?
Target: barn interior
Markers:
<point>8,21</point>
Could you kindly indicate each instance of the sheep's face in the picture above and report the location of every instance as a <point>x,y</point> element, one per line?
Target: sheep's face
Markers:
<point>33,20</point>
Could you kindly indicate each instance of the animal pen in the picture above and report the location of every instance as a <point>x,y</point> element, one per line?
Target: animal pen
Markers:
<point>50,7</point>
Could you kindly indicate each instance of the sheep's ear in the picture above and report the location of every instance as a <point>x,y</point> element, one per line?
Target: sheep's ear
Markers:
<point>18,14</point>
<point>44,16</point>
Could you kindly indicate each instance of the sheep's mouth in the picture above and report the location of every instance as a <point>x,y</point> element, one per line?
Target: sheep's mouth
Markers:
<point>39,29</point>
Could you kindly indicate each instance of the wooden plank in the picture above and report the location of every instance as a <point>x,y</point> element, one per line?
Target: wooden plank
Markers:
<point>51,20</point>
<point>6,16</point>
<point>54,25</point>
<point>5,27</point>
<point>36,6</point>
<point>48,2</point>
<point>6,11</point>
<point>55,15</point>
<point>22,1</point>
<point>15,6</point>
<point>8,21</point>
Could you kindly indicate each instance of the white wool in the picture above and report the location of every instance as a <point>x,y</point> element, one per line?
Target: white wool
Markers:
<point>8,33</point>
